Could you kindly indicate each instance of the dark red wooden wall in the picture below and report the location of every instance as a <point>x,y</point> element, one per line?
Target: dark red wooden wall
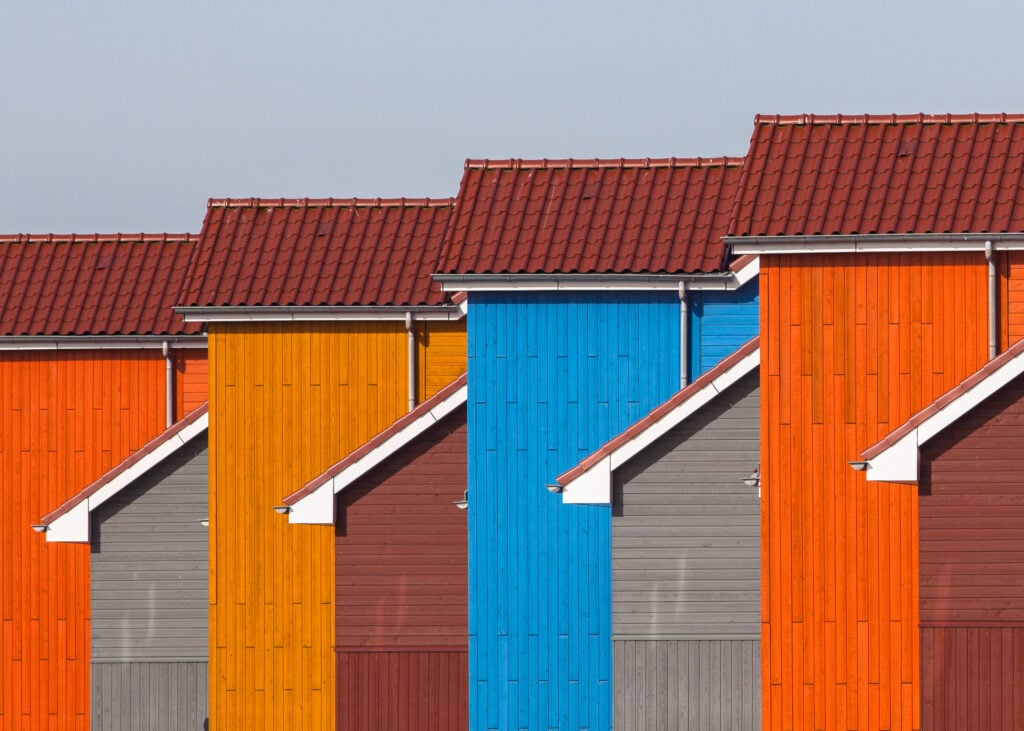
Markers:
<point>971,514</point>
<point>400,565</point>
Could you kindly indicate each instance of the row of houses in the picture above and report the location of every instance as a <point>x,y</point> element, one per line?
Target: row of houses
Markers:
<point>671,443</point>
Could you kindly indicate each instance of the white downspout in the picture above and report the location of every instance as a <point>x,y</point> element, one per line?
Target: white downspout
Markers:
<point>169,382</point>
<point>411,337</point>
<point>684,375</point>
<point>993,302</point>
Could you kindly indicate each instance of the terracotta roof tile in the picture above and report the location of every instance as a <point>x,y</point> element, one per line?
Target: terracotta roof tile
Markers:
<point>591,216</point>
<point>121,284</point>
<point>892,174</point>
<point>318,252</point>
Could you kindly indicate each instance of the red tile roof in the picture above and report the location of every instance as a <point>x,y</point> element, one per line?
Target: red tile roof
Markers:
<point>396,427</point>
<point>810,175</point>
<point>318,252</point>
<point>661,411</point>
<point>960,390</point>
<point>591,216</point>
<point>148,448</point>
<point>121,284</point>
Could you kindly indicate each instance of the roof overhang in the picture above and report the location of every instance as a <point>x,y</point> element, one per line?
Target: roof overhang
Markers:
<point>98,342</point>
<point>897,457</point>
<point>590,482</point>
<point>314,503</point>
<point>70,522</point>
<point>873,243</point>
<point>318,314</point>
<point>588,282</point>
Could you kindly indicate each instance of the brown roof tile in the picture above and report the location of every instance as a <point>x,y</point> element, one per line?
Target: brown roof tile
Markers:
<point>318,252</point>
<point>892,174</point>
<point>591,216</point>
<point>121,284</point>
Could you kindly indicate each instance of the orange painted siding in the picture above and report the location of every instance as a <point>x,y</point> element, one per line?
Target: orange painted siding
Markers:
<point>64,420</point>
<point>191,380</point>
<point>1011,297</point>
<point>441,355</point>
<point>851,346</point>
<point>287,401</point>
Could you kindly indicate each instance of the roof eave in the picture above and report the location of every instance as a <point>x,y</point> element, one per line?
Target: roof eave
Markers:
<point>319,313</point>
<point>872,243</point>
<point>586,282</point>
<point>99,342</point>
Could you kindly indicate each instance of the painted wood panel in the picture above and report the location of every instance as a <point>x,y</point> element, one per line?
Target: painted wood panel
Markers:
<point>971,510</point>
<point>851,347</point>
<point>668,685</point>
<point>440,354</point>
<point>552,376</point>
<point>157,696</point>
<point>191,380</point>
<point>287,401</point>
<point>149,564</point>
<point>403,691</point>
<point>64,420</point>
<point>719,323</point>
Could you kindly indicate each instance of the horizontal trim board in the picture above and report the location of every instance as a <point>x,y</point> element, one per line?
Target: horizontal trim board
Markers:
<point>873,243</point>
<point>585,282</point>
<point>111,342</point>
<point>317,314</point>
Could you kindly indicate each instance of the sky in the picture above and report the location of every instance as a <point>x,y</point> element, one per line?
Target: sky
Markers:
<point>127,116</point>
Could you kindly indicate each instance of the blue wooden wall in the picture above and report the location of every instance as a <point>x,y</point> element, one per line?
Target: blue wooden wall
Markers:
<point>552,376</point>
<point>719,323</point>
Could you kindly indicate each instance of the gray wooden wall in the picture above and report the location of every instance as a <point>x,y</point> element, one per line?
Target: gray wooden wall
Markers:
<point>149,599</point>
<point>686,574</point>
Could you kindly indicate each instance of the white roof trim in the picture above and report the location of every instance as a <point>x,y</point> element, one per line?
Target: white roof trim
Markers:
<point>872,243</point>
<point>899,462</point>
<point>584,282</point>
<point>89,342</point>
<point>73,526</point>
<point>317,314</point>
<point>318,506</point>
<point>594,487</point>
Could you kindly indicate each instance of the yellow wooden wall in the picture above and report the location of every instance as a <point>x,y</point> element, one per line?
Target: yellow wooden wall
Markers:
<point>287,401</point>
<point>851,346</point>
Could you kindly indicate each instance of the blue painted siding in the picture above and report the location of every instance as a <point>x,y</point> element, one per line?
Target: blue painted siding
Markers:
<point>552,376</point>
<point>719,323</point>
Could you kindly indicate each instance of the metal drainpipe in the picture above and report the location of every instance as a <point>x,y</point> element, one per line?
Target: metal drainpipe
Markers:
<point>684,375</point>
<point>993,301</point>
<point>411,337</point>
<point>170,382</point>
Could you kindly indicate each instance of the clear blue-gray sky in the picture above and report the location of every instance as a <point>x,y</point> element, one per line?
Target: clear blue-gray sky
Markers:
<point>127,116</point>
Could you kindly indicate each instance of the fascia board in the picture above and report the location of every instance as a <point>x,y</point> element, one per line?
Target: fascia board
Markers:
<point>86,342</point>
<point>354,314</point>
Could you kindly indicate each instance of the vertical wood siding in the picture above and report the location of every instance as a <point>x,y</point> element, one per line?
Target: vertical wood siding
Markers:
<point>421,690</point>
<point>686,573</point>
<point>670,685</point>
<point>552,377</point>
<point>287,401</point>
<point>440,355</point>
<point>718,324</point>
<point>851,346</point>
<point>972,569</point>
<point>157,696</point>
<point>64,420</point>
<point>400,564</point>
<point>149,567</point>
<point>191,380</point>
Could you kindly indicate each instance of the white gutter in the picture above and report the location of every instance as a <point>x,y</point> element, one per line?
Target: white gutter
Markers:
<point>169,385</point>
<point>684,371</point>
<point>411,360</point>
<point>993,301</point>
<point>584,282</point>
<point>316,314</point>
<point>871,243</point>
<point>88,342</point>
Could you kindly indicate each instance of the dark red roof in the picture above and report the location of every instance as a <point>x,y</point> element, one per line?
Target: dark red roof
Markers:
<point>323,252</point>
<point>121,284</point>
<point>591,216</point>
<point>882,174</point>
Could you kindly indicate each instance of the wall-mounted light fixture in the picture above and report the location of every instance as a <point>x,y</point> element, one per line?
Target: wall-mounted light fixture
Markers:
<point>464,502</point>
<point>282,509</point>
<point>205,522</point>
<point>555,489</point>
<point>41,528</point>
<point>860,466</point>
<point>754,479</point>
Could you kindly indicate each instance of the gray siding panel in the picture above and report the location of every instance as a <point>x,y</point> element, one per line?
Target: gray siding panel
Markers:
<point>704,685</point>
<point>157,696</point>
<point>149,564</point>
<point>686,577</point>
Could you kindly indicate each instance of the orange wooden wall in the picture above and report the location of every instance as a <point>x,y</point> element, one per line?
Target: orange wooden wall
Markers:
<point>287,401</point>
<point>851,347</point>
<point>191,380</point>
<point>65,418</point>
